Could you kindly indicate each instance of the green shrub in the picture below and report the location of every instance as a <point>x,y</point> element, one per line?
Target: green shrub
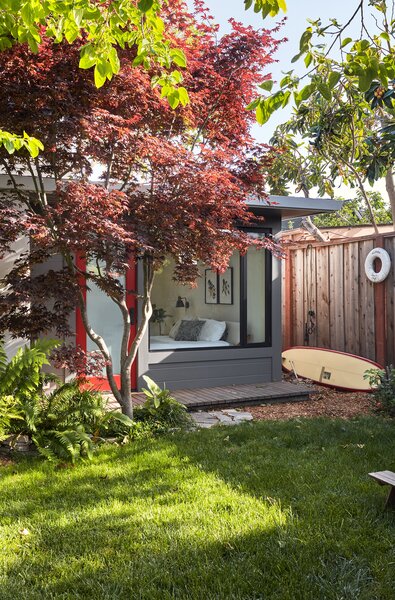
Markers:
<point>21,387</point>
<point>65,424</point>
<point>73,420</point>
<point>160,410</point>
<point>8,413</point>
<point>383,382</point>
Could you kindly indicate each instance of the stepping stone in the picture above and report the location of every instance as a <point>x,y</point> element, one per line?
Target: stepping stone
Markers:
<point>205,419</point>
<point>239,415</point>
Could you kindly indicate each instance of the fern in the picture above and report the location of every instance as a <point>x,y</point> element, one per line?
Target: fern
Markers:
<point>3,357</point>
<point>68,445</point>
<point>22,375</point>
<point>30,409</point>
<point>64,424</point>
<point>8,412</point>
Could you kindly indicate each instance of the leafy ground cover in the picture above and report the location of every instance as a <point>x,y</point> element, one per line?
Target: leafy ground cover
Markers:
<point>275,510</point>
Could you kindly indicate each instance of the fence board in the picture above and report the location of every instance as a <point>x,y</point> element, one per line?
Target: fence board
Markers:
<point>322,261</point>
<point>310,279</point>
<point>298,279</point>
<point>336,295</point>
<point>351,297</point>
<point>390,304</point>
<point>366,305</point>
<point>330,279</point>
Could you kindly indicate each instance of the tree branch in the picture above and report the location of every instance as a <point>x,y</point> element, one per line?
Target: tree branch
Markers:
<point>344,27</point>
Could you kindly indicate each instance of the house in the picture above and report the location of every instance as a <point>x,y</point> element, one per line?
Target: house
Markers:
<point>226,330</point>
<point>247,299</point>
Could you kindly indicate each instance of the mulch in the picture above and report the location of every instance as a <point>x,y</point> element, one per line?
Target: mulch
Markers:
<point>5,461</point>
<point>325,402</point>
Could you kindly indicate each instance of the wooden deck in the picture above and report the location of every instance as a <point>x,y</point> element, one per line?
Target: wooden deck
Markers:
<point>237,395</point>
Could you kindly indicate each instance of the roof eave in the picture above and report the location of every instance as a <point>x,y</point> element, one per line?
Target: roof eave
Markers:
<point>295,206</point>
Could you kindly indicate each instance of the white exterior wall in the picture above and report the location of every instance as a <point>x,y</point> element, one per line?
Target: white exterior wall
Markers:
<point>6,264</point>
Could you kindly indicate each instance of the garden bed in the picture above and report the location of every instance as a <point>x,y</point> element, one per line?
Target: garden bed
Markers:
<point>325,402</point>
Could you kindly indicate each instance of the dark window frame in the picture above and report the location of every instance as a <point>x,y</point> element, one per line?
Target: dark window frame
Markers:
<point>243,304</point>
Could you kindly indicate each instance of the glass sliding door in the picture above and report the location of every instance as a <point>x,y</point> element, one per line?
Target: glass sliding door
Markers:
<point>105,319</point>
<point>224,310</point>
<point>211,309</point>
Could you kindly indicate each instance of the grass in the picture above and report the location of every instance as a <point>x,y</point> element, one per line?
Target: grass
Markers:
<point>266,510</point>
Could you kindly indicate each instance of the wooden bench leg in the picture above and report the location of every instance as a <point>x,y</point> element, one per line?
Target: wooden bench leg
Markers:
<point>391,498</point>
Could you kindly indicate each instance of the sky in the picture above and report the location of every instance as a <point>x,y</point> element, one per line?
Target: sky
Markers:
<point>296,22</point>
<point>298,13</point>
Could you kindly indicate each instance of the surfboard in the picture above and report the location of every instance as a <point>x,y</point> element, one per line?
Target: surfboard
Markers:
<point>329,367</point>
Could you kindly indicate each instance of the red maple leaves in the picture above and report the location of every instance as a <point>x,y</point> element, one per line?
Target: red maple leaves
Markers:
<point>173,182</point>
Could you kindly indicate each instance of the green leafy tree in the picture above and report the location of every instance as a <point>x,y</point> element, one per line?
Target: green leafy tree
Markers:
<point>343,105</point>
<point>106,29</point>
<point>269,8</point>
<point>355,212</point>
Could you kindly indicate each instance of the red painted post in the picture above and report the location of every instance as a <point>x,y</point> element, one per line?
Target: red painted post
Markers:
<point>380,316</point>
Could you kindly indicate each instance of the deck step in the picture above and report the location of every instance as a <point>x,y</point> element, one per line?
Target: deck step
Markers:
<point>238,395</point>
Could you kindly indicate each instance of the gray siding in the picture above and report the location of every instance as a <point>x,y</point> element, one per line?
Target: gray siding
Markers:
<point>207,368</point>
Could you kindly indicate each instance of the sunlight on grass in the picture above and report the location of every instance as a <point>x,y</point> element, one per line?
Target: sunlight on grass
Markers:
<point>284,510</point>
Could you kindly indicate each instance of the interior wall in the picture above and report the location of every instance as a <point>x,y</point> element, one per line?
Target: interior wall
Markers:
<point>166,291</point>
<point>256,295</point>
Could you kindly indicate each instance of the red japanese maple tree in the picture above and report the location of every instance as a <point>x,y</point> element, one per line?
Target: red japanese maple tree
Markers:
<point>173,183</point>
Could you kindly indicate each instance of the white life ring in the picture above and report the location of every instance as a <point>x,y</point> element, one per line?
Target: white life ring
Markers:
<point>385,259</point>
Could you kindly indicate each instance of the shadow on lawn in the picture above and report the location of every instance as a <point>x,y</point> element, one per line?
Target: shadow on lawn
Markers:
<point>273,510</point>
<point>299,459</point>
<point>262,564</point>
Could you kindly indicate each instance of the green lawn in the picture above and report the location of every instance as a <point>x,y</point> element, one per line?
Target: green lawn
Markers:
<point>266,510</point>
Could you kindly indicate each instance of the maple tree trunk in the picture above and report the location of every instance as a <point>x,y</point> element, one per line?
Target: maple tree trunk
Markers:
<point>127,362</point>
<point>101,344</point>
<point>390,187</point>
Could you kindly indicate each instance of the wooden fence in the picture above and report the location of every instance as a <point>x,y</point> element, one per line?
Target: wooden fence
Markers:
<point>329,302</point>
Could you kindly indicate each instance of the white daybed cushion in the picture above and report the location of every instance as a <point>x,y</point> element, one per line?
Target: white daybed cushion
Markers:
<point>165,342</point>
<point>212,331</point>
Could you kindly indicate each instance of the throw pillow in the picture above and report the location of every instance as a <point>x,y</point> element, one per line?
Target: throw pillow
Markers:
<point>189,331</point>
<point>224,336</point>
<point>174,329</point>
<point>212,330</point>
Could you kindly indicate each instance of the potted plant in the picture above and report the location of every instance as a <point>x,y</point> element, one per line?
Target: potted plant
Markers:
<point>158,316</point>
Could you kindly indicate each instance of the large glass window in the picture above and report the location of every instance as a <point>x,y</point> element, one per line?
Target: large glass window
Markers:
<point>106,320</point>
<point>205,316</point>
<point>224,310</point>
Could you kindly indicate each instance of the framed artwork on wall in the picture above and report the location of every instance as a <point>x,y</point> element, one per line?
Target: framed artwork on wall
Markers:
<point>225,286</point>
<point>211,286</point>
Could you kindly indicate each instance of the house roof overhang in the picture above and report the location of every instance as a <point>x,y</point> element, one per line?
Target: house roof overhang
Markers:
<point>288,207</point>
<point>285,207</point>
